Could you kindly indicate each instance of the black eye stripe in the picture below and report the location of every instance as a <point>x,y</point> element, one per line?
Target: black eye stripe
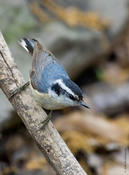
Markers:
<point>56,87</point>
<point>73,98</point>
<point>28,45</point>
<point>74,87</point>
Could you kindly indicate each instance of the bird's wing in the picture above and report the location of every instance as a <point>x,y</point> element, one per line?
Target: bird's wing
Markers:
<point>45,69</point>
<point>51,73</point>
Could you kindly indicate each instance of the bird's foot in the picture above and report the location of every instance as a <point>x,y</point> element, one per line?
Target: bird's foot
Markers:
<point>45,122</point>
<point>19,89</point>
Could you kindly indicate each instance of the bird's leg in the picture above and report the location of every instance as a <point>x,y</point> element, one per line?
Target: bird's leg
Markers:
<point>19,89</point>
<point>45,122</point>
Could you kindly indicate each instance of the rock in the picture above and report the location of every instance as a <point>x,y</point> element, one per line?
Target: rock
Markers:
<point>75,46</point>
<point>117,98</point>
<point>80,45</point>
<point>116,11</point>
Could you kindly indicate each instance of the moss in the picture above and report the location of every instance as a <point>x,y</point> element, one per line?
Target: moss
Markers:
<point>19,23</point>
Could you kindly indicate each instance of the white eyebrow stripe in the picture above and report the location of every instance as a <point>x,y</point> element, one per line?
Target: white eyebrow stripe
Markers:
<point>63,86</point>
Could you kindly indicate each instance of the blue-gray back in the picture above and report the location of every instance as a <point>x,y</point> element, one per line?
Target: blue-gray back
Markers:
<point>50,74</point>
<point>45,70</point>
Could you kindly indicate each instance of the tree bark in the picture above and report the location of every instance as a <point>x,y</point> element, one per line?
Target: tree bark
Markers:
<point>48,140</point>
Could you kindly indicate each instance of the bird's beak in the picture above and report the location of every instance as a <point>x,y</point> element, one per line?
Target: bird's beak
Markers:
<point>82,103</point>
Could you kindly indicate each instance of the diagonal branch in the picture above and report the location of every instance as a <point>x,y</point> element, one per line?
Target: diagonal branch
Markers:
<point>48,140</point>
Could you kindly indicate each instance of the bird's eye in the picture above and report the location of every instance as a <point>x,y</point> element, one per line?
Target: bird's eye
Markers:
<point>60,91</point>
<point>73,98</point>
<point>56,88</point>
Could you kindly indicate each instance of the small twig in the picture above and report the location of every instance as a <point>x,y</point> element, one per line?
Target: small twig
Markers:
<point>49,141</point>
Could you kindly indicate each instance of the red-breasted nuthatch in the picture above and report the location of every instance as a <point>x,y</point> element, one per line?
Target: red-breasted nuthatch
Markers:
<point>51,86</point>
<point>50,83</point>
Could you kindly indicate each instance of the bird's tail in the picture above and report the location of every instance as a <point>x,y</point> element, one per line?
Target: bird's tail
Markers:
<point>27,44</point>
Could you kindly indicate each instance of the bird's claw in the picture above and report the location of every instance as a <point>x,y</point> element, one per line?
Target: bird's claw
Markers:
<point>45,122</point>
<point>16,91</point>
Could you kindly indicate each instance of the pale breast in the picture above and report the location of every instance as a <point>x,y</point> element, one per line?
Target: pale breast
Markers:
<point>48,102</point>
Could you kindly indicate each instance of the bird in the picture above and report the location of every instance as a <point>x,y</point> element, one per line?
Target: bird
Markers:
<point>50,84</point>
